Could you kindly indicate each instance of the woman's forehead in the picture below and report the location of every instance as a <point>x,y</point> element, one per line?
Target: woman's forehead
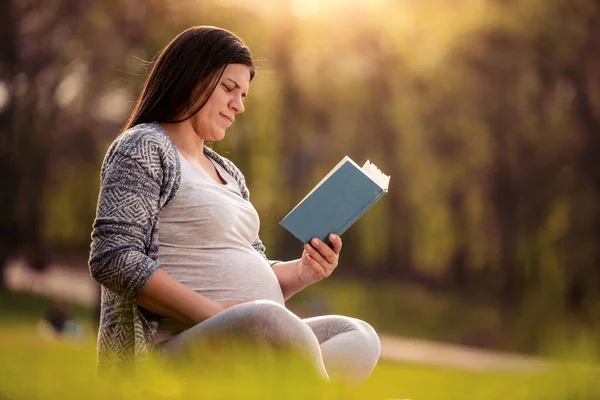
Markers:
<point>239,73</point>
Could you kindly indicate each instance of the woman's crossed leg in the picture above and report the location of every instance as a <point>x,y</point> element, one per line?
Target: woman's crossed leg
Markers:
<point>340,347</point>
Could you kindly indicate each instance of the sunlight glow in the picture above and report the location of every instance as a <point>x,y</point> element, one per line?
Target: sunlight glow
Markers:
<point>4,96</point>
<point>113,105</point>
<point>304,8</point>
<point>71,85</point>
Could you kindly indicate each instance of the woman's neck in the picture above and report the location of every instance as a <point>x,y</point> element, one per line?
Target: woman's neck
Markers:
<point>185,138</point>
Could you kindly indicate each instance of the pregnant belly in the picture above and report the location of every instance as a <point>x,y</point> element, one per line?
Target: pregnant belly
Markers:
<point>223,274</point>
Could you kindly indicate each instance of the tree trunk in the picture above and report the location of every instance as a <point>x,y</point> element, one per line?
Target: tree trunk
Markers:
<point>8,172</point>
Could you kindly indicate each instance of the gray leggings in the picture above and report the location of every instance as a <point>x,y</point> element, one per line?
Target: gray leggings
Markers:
<point>339,347</point>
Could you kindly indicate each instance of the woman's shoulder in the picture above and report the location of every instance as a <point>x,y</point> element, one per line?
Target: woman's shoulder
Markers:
<point>144,147</point>
<point>148,137</point>
<point>147,143</point>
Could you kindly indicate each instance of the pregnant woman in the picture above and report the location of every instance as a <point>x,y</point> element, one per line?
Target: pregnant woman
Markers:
<point>203,274</point>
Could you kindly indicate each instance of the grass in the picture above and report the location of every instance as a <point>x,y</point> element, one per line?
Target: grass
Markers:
<point>31,368</point>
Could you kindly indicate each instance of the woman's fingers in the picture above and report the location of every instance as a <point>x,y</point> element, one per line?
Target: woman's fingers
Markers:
<point>314,254</point>
<point>336,242</point>
<point>316,267</point>
<point>325,251</point>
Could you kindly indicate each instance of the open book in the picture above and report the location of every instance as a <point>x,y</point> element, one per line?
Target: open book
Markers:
<point>340,199</point>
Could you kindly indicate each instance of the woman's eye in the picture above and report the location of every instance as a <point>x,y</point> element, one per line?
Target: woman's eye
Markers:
<point>228,89</point>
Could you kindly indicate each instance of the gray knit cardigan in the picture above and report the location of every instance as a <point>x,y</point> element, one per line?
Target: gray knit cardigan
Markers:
<point>140,176</point>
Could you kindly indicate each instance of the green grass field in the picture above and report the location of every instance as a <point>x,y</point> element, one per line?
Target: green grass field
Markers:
<point>32,368</point>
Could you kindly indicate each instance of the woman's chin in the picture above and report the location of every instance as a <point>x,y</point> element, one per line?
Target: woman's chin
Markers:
<point>216,136</point>
<point>220,137</point>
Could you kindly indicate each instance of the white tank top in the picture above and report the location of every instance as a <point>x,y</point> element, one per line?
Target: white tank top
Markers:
<point>205,242</point>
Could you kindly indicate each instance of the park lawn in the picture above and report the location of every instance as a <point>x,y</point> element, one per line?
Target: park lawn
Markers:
<point>31,368</point>
<point>34,368</point>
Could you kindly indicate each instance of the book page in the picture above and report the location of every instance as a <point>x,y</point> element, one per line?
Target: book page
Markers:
<point>375,173</point>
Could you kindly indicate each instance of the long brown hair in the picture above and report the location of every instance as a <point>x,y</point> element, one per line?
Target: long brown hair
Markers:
<point>188,70</point>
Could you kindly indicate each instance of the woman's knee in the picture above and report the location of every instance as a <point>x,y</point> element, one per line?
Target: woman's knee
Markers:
<point>371,338</point>
<point>272,320</point>
<point>262,312</point>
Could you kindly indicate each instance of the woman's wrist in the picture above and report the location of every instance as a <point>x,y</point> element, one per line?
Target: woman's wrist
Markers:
<point>302,282</point>
<point>287,273</point>
<point>215,308</point>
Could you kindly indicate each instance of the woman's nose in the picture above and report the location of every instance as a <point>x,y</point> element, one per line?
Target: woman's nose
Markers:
<point>237,105</point>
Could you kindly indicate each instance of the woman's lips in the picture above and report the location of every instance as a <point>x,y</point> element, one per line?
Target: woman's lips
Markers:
<point>229,120</point>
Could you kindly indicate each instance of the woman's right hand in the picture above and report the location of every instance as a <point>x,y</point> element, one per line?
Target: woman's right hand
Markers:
<point>230,303</point>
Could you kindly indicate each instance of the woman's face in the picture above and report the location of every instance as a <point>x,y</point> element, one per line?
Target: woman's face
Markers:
<point>225,102</point>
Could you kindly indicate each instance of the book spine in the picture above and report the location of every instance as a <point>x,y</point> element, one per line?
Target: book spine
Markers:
<point>359,213</point>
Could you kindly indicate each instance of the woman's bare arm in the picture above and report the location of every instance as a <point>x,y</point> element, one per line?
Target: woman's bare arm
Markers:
<point>166,296</point>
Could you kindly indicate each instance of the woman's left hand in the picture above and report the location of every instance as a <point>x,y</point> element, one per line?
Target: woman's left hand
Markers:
<point>319,260</point>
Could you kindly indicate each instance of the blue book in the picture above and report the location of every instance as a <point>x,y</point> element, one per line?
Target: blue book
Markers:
<point>338,201</point>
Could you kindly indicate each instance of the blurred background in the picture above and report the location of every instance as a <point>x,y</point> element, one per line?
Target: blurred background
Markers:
<point>486,114</point>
